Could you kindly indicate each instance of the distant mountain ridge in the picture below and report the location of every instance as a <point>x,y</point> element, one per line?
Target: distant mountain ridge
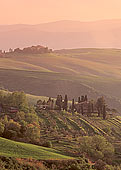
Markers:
<point>63,34</point>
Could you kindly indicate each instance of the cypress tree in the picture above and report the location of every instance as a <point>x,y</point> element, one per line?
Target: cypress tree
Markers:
<point>82,98</point>
<point>100,103</point>
<point>85,98</point>
<point>89,109</point>
<point>82,109</point>
<point>104,112</point>
<point>59,102</point>
<point>73,106</point>
<point>92,107</point>
<point>66,103</point>
<point>79,100</point>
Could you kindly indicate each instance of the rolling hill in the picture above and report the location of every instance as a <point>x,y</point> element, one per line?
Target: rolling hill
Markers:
<point>75,72</point>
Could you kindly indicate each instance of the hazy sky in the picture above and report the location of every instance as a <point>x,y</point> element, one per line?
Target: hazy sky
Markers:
<point>38,11</point>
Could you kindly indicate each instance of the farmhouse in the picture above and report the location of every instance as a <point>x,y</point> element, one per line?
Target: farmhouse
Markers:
<point>86,107</point>
<point>6,108</point>
<point>43,105</point>
<point>83,106</point>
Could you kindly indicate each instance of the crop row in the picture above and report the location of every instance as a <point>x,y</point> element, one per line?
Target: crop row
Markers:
<point>76,126</point>
<point>115,123</point>
<point>90,127</point>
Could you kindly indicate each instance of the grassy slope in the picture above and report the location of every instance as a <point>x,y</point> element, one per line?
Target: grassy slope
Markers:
<point>23,150</point>
<point>91,71</point>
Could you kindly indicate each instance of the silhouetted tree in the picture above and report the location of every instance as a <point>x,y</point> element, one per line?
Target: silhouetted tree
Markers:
<point>82,98</point>
<point>79,100</point>
<point>59,102</point>
<point>100,103</point>
<point>89,109</point>
<point>85,98</point>
<point>104,112</point>
<point>65,103</point>
<point>82,109</point>
<point>92,106</point>
<point>73,106</point>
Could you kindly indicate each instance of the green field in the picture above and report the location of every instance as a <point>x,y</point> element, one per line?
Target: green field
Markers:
<point>22,150</point>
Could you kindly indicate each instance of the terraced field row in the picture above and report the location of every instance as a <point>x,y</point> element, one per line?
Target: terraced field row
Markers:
<point>70,124</point>
<point>76,126</point>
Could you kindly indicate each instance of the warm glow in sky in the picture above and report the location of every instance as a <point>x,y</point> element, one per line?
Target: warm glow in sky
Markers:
<point>38,11</point>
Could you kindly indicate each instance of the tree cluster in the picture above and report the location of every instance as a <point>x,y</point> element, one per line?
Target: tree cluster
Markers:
<point>23,123</point>
<point>62,104</point>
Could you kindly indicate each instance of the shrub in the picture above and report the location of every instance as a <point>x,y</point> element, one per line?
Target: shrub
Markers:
<point>97,147</point>
<point>100,165</point>
<point>48,144</point>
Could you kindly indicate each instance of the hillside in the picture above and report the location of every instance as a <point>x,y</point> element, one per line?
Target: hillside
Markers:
<point>63,34</point>
<point>86,136</point>
<point>79,125</point>
<point>22,150</point>
<point>65,130</point>
<point>93,72</point>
